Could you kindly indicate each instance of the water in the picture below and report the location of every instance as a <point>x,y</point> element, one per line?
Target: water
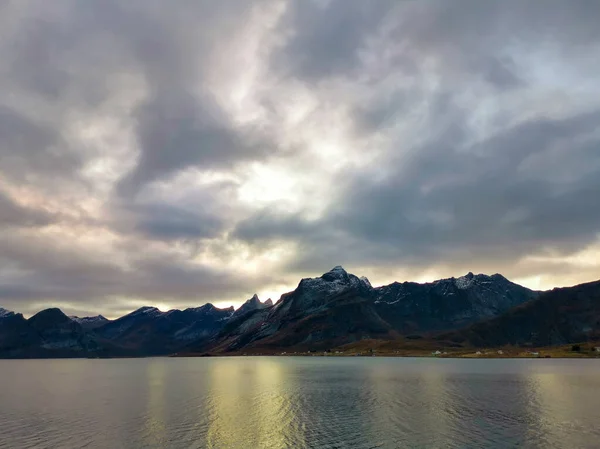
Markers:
<point>315,402</point>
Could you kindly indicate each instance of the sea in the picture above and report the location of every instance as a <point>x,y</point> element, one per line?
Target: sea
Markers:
<point>300,402</point>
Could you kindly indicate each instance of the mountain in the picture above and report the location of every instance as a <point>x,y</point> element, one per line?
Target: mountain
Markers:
<point>49,333</point>
<point>5,313</point>
<point>324,311</point>
<point>339,308</point>
<point>90,322</point>
<point>332,310</point>
<point>15,334</point>
<point>148,331</point>
<point>59,332</point>
<point>448,303</point>
<point>556,317</point>
<point>250,305</point>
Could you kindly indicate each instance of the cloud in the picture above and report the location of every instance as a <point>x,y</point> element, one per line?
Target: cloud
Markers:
<point>13,215</point>
<point>205,152</point>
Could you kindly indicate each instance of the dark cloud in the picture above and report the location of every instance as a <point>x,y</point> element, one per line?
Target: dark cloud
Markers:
<point>528,188</point>
<point>390,134</point>
<point>44,272</point>
<point>15,215</point>
<point>29,149</point>
<point>165,222</point>
<point>327,36</point>
<point>176,132</point>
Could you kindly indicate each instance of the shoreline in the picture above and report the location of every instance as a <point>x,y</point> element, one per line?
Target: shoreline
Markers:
<point>468,355</point>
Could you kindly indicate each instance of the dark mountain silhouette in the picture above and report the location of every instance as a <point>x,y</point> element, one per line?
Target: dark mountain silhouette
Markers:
<point>16,334</point>
<point>448,303</point>
<point>557,317</point>
<point>339,308</point>
<point>148,331</point>
<point>335,309</point>
<point>49,333</point>
<point>250,305</point>
<point>90,322</point>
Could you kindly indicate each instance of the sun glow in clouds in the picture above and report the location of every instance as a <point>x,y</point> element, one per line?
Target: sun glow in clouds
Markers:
<point>175,156</point>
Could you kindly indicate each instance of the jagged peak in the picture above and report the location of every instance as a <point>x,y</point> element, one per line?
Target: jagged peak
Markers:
<point>50,311</point>
<point>268,302</point>
<point>338,270</point>
<point>145,310</point>
<point>4,313</point>
<point>335,274</point>
<point>366,281</point>
<point>498,276</point>
<point>208,307</point>
<point>89,318</point>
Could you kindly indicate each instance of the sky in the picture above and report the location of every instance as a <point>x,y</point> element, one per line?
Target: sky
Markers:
<point>176,153</point>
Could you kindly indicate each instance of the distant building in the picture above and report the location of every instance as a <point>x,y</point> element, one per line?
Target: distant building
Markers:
<point>500,352</point>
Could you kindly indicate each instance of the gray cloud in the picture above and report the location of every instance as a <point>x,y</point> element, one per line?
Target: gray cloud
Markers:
<point>166,222</point>
<point>15,215</point>
<point>531,187</point>
<point>327,36</point>
<point>29,149</point>
<point>178,132</point>
<point>151,153</point>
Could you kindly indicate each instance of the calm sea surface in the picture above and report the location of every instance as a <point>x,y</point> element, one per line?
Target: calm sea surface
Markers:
<point>314,402</point>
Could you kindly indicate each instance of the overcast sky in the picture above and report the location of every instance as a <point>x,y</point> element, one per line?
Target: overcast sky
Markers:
<point>176,153</point>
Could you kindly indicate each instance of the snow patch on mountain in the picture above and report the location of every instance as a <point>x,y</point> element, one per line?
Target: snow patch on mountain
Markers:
<point>147,310</point>
<point>5,313</point>
<point>316,292</point>
<point>464,282</point>
<point>89,319</point>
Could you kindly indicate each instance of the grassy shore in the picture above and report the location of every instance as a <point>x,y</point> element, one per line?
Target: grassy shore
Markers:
<point>379,348</point>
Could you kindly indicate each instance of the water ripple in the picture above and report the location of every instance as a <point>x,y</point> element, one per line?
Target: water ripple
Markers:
<point>315,403</point>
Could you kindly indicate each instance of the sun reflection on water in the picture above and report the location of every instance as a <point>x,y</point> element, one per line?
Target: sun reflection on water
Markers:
<point>247,406</point>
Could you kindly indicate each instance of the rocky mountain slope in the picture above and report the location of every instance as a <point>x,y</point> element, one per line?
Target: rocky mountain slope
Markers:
<point>148,331</point>
<point>338,308</point>
<point>250,305</point>
<point>49,333</point>
<point>448,303</point>
<point>335,309</point>
<point>557,317</point>
<point>90,322</point>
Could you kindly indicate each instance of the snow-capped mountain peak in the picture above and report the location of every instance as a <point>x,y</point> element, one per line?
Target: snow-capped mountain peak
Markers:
<point>336,274</point>
<point>90,322</point>
<point>89,319</point>
<point>146,310</point>
<point>5,313</point>
<point>366,281</point>
<point>465,281</point>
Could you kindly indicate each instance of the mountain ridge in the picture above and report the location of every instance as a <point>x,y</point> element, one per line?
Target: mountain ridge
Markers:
<point>331,310</point>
